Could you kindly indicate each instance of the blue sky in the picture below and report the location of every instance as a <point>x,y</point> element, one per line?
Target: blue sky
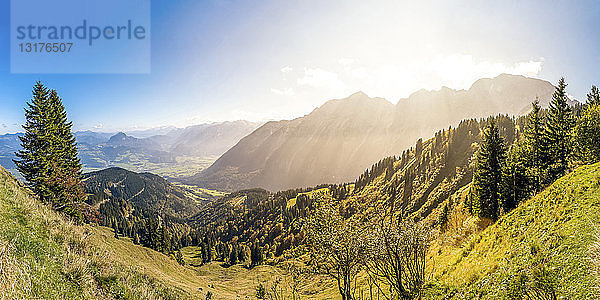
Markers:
<point>261,60</point>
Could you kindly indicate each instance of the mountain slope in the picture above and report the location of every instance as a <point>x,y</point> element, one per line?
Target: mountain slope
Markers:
<point>43,256</point>
<point>547,239</point>
<point>145,193</point>
<point>542,246</point>
<point>418,181</point>
<point>210,139</point>
<point>289,153</point>
<point>340,139</point>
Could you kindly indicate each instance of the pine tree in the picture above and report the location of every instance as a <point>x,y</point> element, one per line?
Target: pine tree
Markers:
<point>535,148</point>
<point>115,230</point>
<point>487,177</point>
<point>517,181</point>
<point>587,135</point>
<point>33,162</point>
<point>49,160</point>
<point>66,145</point>
<point>256,254</point>
<point>241,254</point>
<point>233,255</point>
<point>593,98</point>
<point>179,257</point>
<point>443,218</point>
<point>558,132</point>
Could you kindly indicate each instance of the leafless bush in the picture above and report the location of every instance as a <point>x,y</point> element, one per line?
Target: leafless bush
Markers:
<point>397,257</point>
<point>339,247</point>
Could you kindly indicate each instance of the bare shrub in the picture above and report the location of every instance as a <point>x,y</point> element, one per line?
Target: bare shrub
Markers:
<point>339,247</point>
<point>397,255</point>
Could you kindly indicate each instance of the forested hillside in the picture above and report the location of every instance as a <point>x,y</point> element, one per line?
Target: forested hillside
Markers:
<point>416,181</point>
<point>443,191</point>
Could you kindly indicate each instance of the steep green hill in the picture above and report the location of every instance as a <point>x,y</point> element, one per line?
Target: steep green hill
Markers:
<point>544,245</point>
<point>44,256</point>
<point>145,193</point>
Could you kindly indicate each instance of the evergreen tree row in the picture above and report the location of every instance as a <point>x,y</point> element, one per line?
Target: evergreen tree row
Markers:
<point>551,144</point>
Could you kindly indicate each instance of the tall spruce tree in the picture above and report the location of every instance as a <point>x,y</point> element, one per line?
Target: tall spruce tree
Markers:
<point>586,134</point>
<point>558,132</point>
<point>535,148</point>
<point>517,177</point>
<point>66,145</point>
<point>48,160</point>
<point>33,159</point>
<point>487,177</point>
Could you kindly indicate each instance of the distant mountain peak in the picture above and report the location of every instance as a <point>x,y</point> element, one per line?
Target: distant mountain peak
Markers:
<point>120,136</point>
<point>359,94</point>
<point>506,75</point>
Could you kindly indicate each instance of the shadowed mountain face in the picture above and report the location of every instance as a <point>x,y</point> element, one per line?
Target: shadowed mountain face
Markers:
<point>340,139</point>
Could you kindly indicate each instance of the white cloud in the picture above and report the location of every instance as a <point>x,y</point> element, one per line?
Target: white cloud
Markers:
<point>286,69</point>
<point>320,78</point>
<point>286,91</point>
<point>530,68</point>
<point>460,71</point>
<point>344,61</point>
<point>394,80</point>
<point>99,126</point>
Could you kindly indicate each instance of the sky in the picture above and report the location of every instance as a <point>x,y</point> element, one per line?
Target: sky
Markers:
<point>220,60</point>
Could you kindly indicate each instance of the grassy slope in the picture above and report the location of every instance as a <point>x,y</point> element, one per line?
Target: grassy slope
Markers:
<point>222,281</point>
<point>553,230</point>
<point>43,256</point>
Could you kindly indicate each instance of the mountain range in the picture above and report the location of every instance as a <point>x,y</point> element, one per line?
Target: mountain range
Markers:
<point>167,151</point>
<point>332,144</point>
<point>341,138</point>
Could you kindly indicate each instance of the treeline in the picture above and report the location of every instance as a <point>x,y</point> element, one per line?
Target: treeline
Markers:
<point>551,144</point>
